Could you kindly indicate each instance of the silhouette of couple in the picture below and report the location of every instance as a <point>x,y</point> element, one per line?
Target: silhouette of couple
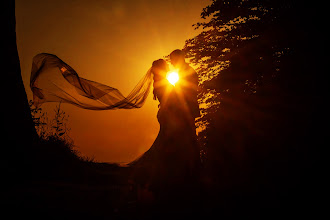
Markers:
<point>174,156</point>
<point>173,159</point>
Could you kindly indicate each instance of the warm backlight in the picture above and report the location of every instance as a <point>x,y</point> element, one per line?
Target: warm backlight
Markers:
<point>173,77</point>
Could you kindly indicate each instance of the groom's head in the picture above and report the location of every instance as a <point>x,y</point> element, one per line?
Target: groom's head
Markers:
<point>177,58</point>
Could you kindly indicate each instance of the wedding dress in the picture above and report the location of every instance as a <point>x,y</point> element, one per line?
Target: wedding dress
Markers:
<point>173,159</point>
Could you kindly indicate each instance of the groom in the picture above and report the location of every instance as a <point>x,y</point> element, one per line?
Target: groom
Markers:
<point>190,83</point>
<point>189,93</point>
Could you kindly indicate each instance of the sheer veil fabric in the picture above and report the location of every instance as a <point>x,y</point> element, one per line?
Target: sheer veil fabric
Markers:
<point>52,80</point>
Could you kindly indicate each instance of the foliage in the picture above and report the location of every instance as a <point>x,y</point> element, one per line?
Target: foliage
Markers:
<point>253,72</point>
<point>59,123</point>
<point>50,128</point>
<point>54,134</point>
<point>243,42</point>
<point>39,120</point>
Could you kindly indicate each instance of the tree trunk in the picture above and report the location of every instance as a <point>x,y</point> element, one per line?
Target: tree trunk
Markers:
<point>17,124</point>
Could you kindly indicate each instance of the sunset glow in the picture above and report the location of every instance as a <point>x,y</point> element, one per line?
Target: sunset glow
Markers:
<point>117,42</point>
<point>173,77</point>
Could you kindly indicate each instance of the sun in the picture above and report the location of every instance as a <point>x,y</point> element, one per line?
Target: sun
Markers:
<point>173,77</point>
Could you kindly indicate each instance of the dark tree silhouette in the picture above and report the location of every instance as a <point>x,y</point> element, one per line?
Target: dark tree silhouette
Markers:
<point>259,81</point>
<point>17,125</point>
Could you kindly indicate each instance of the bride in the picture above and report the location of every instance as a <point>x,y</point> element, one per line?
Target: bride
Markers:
<point>173,159</point>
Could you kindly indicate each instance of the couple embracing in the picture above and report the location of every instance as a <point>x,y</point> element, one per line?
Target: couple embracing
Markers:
<point>174,158</point>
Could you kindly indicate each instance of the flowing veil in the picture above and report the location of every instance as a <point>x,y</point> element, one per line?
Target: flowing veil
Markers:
<point>52,80</point>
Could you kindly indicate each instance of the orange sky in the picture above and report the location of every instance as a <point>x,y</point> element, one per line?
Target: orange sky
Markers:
<point>111,42</point>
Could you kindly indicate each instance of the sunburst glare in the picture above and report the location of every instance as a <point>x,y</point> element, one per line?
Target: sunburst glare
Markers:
<point>173,77</point>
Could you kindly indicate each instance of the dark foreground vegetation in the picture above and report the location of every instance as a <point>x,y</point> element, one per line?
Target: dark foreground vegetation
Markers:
<point>51,181</point>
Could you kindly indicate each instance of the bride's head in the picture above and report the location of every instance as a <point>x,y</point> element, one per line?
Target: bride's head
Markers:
<point>159,69</point>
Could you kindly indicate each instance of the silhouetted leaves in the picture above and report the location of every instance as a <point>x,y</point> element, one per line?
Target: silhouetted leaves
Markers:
<point>253,63</point>
<point>56,127</point>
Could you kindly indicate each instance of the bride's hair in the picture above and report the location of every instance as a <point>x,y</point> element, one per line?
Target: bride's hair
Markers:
<point>159,68</point>
<point>159,65</point>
